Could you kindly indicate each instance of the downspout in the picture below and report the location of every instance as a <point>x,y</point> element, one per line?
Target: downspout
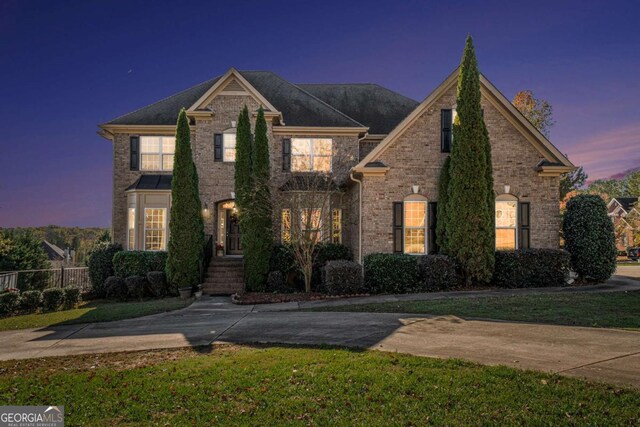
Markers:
<point>359,216</point>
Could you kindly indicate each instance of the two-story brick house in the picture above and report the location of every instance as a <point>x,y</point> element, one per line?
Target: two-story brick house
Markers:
<point>391,149</point>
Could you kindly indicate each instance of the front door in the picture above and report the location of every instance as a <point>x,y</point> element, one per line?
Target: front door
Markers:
<point>233,234</point>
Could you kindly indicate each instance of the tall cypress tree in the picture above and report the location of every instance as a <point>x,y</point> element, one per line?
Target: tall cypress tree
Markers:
<point>260,227</point>
<point>186,228</point>
<point>443,198</point>
<point>244,149</point>
<point>470,235</point>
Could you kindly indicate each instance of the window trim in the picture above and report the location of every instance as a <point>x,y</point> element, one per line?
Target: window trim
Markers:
<point>164,229</point>
<point>311,156</point>
<point>131,229</point>
<point>336,231</point>
<point>226,133</point>
<point>425,227</point>
<point>507,198</point>
<point>159,153</point>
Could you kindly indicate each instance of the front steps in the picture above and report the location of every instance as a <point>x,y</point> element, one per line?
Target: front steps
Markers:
<point>225,276</point>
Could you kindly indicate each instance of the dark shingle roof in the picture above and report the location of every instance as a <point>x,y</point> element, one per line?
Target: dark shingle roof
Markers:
<point>376,164</point>
<point>152,182</point>
<point>165,111</point>
<point>627,202</point>
<point>54,253</point>
<point>373,105</point>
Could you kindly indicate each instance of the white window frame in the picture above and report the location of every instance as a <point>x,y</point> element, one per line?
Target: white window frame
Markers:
<point>159,153</point>
<point>131,229</point>
<point>425,227</point>
<point>164,229</point>
<point>225,135</point>
<point>312,155</point>
<point>507,198</point>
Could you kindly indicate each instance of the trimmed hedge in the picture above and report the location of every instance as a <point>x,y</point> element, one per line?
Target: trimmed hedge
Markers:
<point>438,273</point>
<point>52,299</point>
<point>589,237</point>
<point>116,288</point>
<point>531,268</point>
<point>138,263</point>
<point>101,265</point>
<point>332,252</point>
<point>135,286</point>
<point>30,300</point>
<point>157,281</point>
<point>9,302</point>
<point>391,273</point>
<point>71,298</point>
<point>342,277</point>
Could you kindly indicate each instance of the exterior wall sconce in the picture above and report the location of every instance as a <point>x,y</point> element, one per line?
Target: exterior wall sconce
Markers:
<point>507,189</point>
<point>205,211</point>
<point>415,189</point>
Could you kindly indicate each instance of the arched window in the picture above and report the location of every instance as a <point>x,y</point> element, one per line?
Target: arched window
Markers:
<point>506,222</point>
<point>415,224</point>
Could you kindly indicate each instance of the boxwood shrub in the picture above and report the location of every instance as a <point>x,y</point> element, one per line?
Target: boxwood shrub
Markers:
<point>138,263</point>
<point>101,265</point>
<point>136,286</point>
<point>438,273</point>
<point>71,298</point>
<point>52,299</point>
<point>9,302</point>
<point>391,273</point>
<point>31,300</point>
<point>157,281</point>
<point>531,268</point>
<point>116,288</point>
<point>342,277</point>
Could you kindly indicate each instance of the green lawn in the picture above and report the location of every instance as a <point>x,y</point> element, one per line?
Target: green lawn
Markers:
<point>296,386</point>
<point>94,311</point>
<point>607,310</point>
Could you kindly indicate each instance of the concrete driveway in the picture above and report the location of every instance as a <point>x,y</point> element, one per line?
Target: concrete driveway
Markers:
<point>602,354</point>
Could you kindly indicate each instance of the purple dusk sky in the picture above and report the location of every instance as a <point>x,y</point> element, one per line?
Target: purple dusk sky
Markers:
<point>70,65</point>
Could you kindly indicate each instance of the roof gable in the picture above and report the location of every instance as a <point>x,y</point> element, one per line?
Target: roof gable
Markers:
<point>557,162</point>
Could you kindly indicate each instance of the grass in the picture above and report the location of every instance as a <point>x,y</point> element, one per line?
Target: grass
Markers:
<point>297,386</point>
<point>606,310</point>
<point>93,311</point>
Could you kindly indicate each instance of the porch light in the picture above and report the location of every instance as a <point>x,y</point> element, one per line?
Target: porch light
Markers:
<point>507,189</point>
<point>205,211</point>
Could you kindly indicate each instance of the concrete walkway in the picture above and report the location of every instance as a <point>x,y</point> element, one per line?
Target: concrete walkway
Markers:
<point>601,354</point>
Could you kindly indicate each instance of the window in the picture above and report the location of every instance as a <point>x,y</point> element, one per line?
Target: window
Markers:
<point>131,232</point>
<point>229,147</point>
<point>311,155</point>
<point>415,214</point>
<point>506,222</point>
<point>285,233</point>
<point>155,227</point>
<point>336,226</point>
<point>156,153</point>
<point>311,224</point>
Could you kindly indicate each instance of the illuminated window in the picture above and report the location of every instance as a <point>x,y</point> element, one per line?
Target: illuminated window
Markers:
<point>311,155</point>
<point>155,227</point>
<point>311,224</point>
<point>506,222</point>
<point>285,236</point>
<point>131,237</point>
<point>229,147</point>
<point>415,214</point>
<point>156,153</point>
<point>336,226</point>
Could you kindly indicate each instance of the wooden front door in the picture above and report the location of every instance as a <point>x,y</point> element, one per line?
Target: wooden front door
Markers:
<point>233,245</point>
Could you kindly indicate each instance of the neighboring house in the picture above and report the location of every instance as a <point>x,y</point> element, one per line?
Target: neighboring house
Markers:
<point>624,213</point>
<point>384,148</point>
<point>57,256</point>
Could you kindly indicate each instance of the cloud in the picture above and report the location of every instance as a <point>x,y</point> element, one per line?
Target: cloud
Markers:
<point>607,153</point>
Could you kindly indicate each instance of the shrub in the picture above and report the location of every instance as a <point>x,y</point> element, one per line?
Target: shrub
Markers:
<point>52,299</point>
<point>9,302</point>
<point>282,259</point>
<point>531,268</point>
<point>135,286</point>
<point>31,300</point>
<point>342,277</point>
<point>71,298</point>
<point>101,265</point>
<point>116,288</point>
<point>276,282</point>
<point>438,273</point>
<point>157,281</point>
<point>589,237</point>
<point>332,252</point>
<point>390,273</point>
<point>138,263</point>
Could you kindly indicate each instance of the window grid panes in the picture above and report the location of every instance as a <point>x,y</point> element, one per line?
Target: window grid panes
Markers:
<point>506,224</point>
<point>157,152</point>
<point>311,154</point>
<point>229,147</point>
<point>311,224</point>
<point>131,238</point>
<point>415,214</point>
<point>154,229</point>
<point>336,226</point>
<point>286,226</point>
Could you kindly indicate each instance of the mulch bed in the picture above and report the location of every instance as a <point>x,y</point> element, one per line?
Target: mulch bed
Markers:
<point>250,298</point>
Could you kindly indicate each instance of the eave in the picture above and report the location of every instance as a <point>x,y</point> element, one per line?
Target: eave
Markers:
<point>318,131</point>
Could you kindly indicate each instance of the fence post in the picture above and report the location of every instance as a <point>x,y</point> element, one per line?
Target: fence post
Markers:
<point>61,277</point>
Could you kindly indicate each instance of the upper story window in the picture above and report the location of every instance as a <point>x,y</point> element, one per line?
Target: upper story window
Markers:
<point>506,222</point>
<point>229,146</point>
<point>311,154</point>
<point>156,153</point>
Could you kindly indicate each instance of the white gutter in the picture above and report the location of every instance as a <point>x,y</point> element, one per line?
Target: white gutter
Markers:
<point>359,216</point>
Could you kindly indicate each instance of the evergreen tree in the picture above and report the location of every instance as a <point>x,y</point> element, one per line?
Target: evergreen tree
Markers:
<point>470,235</point>
<point>259,223</point>
<point>243,174</point>
<point>186,228</point>
<point>443,196</point>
